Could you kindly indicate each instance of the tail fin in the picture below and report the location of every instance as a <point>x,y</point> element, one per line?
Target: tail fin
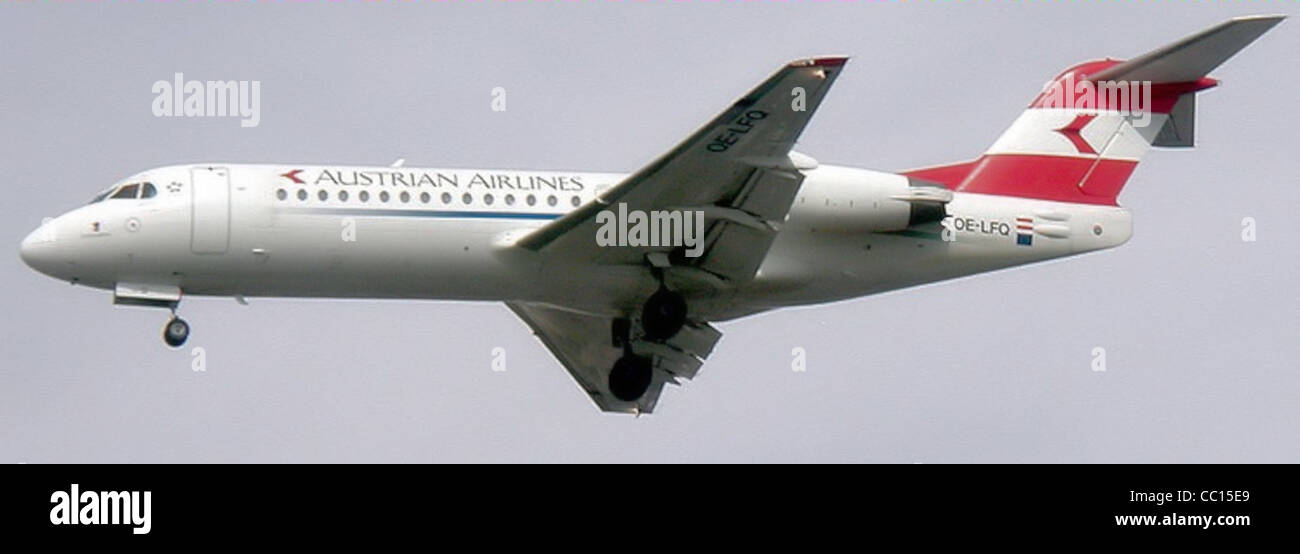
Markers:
<point>1082,137</point>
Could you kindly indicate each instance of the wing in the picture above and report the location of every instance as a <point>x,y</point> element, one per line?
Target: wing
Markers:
<point>738,170</point>
<point>584,344</point>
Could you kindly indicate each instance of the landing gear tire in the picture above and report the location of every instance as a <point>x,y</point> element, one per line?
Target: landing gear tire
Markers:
<point>664,315</point>
<point>620,332</point>
<point>175,332</point>
<point>630,377</point>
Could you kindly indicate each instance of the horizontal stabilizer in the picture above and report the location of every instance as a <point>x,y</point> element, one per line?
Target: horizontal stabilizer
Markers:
<point>1193,57</point>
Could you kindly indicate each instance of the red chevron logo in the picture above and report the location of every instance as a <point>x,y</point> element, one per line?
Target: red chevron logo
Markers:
<point>293,176</point>
<point>1073,132</point>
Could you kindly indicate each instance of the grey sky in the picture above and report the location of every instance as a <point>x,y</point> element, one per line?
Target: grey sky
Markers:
<point>1199,327</point>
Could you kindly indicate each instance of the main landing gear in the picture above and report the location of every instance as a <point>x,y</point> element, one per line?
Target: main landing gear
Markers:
<point>630,376</point>
<point>663,315</point>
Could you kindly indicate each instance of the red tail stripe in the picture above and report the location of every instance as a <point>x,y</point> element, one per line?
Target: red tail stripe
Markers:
<point>1049,178</point>
<point>950,176</point>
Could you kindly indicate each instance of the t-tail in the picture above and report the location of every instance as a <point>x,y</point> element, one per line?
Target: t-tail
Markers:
<point>1082,137</point>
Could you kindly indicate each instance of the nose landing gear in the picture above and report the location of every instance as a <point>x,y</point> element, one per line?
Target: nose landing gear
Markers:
<point>176,331</point>
<point>167,297</point>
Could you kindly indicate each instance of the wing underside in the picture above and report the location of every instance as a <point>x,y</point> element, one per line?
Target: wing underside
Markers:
<point>739,175</point>
<point>584,345</point>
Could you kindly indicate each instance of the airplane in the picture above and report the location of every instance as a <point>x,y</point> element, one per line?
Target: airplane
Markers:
<point>573,253</point>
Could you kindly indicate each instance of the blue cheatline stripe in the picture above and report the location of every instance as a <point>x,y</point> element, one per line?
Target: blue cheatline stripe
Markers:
<point>450,214</point>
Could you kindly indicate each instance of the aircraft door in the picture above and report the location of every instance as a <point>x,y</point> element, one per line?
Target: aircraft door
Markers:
<point>210,210</point>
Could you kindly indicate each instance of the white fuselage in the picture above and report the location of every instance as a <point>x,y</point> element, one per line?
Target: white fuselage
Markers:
<point>393,232</point>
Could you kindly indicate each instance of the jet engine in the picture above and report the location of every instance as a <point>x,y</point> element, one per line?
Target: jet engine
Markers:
<point>855,201</point>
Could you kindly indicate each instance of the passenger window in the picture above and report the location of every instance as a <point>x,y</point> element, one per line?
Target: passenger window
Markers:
<point>128,191</point>
<point>149,191</point>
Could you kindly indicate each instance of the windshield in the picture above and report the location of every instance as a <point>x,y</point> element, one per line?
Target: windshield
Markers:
<point>101,196</point>
<point>128,191</point>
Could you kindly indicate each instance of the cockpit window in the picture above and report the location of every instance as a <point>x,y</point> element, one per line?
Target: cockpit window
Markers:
<point>128,191</point>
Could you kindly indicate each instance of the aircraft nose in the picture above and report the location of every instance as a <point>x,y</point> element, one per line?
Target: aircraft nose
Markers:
<point>40,250</point>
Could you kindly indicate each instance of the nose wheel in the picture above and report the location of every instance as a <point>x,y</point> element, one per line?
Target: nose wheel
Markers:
<point>175,332</point>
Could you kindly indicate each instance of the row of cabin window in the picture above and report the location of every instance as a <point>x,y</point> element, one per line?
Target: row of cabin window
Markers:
<point>425,198</point>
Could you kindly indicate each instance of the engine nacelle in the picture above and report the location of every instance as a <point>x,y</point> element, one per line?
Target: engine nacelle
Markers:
<point>845,200</point>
